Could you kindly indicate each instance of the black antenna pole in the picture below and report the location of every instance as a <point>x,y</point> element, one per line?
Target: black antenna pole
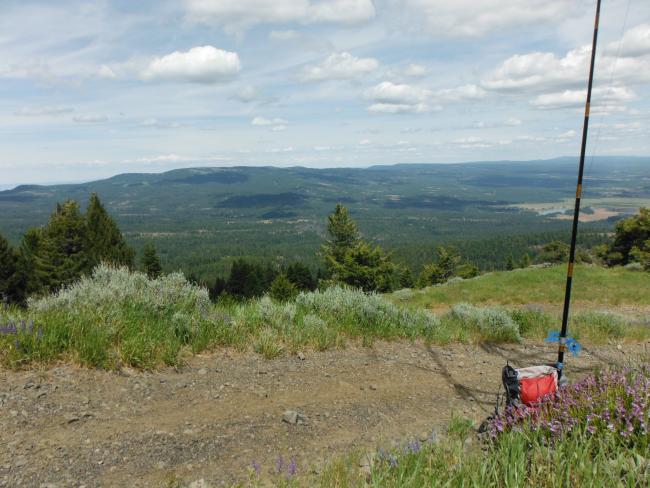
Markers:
<point>576,211</point>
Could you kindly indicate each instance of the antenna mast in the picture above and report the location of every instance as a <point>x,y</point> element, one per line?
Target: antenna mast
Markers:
<point>576,211</point>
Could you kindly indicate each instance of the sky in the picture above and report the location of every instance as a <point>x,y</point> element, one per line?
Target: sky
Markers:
<point>90,89</point>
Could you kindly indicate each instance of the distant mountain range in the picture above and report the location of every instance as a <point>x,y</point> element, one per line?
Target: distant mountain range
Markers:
<point>248,208</point>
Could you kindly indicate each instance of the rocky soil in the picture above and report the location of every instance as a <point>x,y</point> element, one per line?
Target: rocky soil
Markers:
<point>65,426</point>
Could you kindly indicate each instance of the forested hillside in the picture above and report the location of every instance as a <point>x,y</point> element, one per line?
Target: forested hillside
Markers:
<point>202,219</point>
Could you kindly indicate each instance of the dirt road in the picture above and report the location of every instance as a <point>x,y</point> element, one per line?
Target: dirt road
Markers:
<point>67,426</point>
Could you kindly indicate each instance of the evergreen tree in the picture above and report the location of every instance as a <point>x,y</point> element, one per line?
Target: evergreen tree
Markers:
<point>631,241</point>
<point>218,288</point>
<point>300,275</point>
<point>104,241</point>
<point>554,252</point>
<point>525,261</point>
<point>245,280</point>
<point>467,270</point>
<point>511,264</point>
<point>343,232</point>
<point>352,261</point>
<point>282,289</point>
<point>150,261</point>
<point>11,285</point>
<point>406,279</point>
<point>60,256</point>
<point>448,262</point>
<point>366,267</point>
<point>33,267</point>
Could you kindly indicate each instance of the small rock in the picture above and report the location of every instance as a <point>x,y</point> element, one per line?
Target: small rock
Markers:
<point>373,387</point>
<point>431,437</point>
<point>301,356</point>
<point>198,484</point>
<point>20,461</point>
<point>290,417</point>
<point>203,371</point>
<point>72,418</point>
<point>619,347</point>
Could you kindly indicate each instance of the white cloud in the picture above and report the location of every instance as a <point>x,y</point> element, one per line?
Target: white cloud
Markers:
<point>340,66</point>
<point>512,122</point>
<point>284,35</point>
<point>279,128</point>
<point>545,72</point>
<point>262,121</point>
<point>90,119</point>
<point>602,99</point>
<point>241,14</point>
<point>276,150</point>
<point>414,70</point>
<point>472,18</point>
<point>203,64</point>
<point>388,97</point>
<point>635,42</point>
<point>158,124</point>
<point>464,92</point>
<point>247,94</point>
<point>540,71</point>
<point>106,72</point>
<point>341,11</point>
<point>41,111</point>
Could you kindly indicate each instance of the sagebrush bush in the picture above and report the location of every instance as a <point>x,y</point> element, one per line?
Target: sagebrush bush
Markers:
<point>109,286</point>
<point>492,323</point>
<point>117,316</point>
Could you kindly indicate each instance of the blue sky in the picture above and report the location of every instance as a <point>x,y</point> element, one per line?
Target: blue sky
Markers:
<point>91,89</point>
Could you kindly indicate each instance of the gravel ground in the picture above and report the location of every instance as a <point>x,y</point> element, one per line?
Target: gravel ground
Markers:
<point>70,427</point>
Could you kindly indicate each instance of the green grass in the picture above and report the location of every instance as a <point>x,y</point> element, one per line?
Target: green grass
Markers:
<point>603,286</point>
<point>117,317</point>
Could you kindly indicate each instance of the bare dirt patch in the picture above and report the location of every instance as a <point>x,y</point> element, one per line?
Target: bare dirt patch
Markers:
<point>71,427</point>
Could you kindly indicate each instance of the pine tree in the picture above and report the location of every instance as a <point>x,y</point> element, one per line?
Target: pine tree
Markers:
<point>34,269</point>
<point>447,266</point>
<point>525,261</point>
<point>631,239</point>
<point>510,264</point>
<point>61,256</point>
<point>150,261</point>
<point>244,280</point>
<point>352,261</point>
<point>282,289</point>
<point>343,232</point>
<point>10,291</point>
<point>300,276</point>
<point>104,241</point>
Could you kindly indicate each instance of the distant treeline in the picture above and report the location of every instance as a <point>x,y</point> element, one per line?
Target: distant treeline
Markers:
<point>73,243</point>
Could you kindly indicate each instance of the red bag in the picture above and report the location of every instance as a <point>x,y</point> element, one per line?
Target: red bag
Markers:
<point>529,385</point>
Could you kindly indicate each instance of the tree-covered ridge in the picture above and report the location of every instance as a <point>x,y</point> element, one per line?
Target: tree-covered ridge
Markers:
<point>203,219</point>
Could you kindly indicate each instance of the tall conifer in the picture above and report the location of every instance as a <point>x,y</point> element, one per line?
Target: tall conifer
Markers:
<point>104,241</point>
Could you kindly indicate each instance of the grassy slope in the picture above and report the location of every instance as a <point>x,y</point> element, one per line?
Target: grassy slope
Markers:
<point>605,287</point>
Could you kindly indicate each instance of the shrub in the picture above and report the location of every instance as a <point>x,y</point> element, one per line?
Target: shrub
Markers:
<point>117,316</point>
<point>492,323</point>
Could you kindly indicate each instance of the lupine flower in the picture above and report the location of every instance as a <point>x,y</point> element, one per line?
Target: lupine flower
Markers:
<point>293,467</point>
<point>614,401</point>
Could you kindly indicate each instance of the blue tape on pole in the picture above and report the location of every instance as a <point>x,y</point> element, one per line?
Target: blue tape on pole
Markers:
<point>559,366</point>
<point>553,336</point>
<point>570,343</point>
<point>574,346</point>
